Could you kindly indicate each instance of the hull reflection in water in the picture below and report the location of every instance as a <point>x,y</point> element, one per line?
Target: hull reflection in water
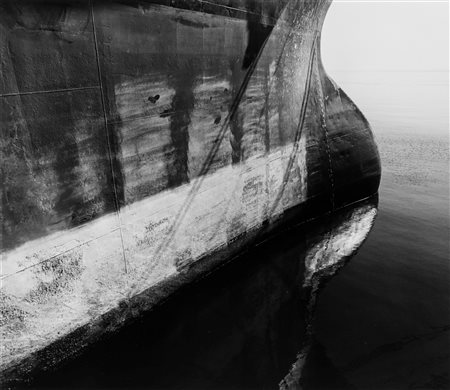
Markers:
<point>246,325</point>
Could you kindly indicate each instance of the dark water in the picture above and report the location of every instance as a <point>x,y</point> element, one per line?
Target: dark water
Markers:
<point>384,321</point>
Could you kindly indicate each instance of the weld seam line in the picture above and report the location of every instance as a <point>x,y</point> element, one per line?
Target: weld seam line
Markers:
<point>327,147</point>
<point>105,117</point>
<point>50,91</point>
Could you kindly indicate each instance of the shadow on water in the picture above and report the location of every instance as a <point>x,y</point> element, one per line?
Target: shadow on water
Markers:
<point>241,327</point>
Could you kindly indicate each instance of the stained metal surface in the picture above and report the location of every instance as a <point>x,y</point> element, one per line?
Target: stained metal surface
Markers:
<point>140,138</point>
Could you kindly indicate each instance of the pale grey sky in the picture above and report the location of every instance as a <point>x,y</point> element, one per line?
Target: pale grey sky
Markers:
<point>386,35</point>
<point>392,59</point>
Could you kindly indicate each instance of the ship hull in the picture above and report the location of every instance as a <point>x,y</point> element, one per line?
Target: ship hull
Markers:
<point>147,143</point>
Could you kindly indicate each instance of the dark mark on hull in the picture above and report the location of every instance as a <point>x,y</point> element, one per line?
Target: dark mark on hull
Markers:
<point>166,113</point>
<point>190,23</point>
<point>236,117</point>
<point>258,32</point>
<point>153,99</point>
<point>180,119</point>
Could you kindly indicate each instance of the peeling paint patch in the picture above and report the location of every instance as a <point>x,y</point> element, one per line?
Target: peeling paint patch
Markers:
<point>55,276</point>
<point>11,315</point>
<point>153,232</point>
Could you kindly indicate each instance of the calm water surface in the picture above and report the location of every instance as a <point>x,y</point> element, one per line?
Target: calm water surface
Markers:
<point>384,320</point>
